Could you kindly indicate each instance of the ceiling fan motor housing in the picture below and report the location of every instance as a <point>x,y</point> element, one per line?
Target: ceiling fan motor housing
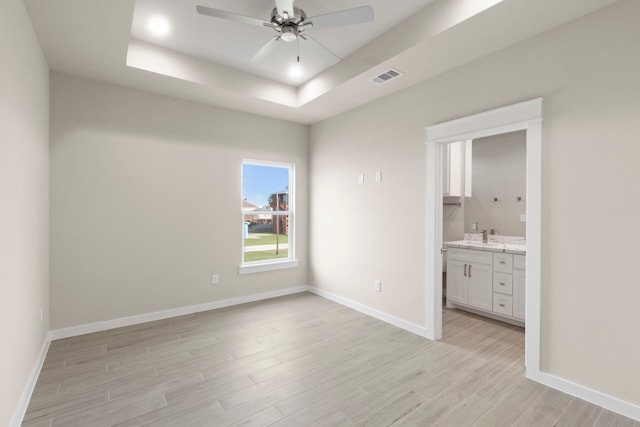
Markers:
<point>288,25</point>
<point>299,16</point>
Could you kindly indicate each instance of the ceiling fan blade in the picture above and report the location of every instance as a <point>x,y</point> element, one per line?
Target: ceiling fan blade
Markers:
<point>318,50</point>
<point>217,13</point>
<point>285,6</point>
<point>359,15</point>
<point>266,50</point>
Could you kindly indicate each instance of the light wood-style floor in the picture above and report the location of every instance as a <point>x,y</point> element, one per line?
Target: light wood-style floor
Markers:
<point>298,361</point>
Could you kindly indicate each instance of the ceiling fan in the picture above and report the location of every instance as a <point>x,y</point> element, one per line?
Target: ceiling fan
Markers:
<point>291,24</point>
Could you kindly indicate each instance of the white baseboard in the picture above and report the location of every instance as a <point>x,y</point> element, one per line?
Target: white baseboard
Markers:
<point>174,312</point>
<point>25,397</point>
<point>395,321</point>
<point>611,403</point>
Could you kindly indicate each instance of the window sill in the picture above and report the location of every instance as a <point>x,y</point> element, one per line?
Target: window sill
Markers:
<point>257,268</point>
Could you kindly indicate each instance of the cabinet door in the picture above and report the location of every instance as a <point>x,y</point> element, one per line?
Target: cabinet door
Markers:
<point>453,173</point>
<point>480,292</point>
<point>456,282</point>
<point>519,292</point>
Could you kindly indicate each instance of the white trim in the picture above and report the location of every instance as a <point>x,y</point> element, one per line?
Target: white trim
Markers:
<point>277,264</point>
<point>533,274</point>
<point>174,312</point>
<point>395,321</point>
<point>25,398</point>
<point>522,116</point>
<point>509,118</point>
<point>267,266</point>
<point>606,401</point>
<point>434,257</point>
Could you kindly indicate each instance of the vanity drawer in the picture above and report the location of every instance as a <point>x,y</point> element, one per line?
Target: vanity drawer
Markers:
<point>503,304</point>
<point>503,263</point>
<point>470,255</point>
<point>503,283</point>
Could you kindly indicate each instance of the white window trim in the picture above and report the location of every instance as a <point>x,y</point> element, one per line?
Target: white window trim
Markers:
<point>259,266</point>
<point>280,263</point>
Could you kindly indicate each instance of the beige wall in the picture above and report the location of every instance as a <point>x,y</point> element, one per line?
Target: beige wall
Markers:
<point>499,170</point>
<point>146,201</point>
<point>24,203</point>
<point>587,71</point>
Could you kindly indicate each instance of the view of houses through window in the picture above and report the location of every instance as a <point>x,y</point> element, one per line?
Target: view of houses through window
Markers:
<point>267,212</point>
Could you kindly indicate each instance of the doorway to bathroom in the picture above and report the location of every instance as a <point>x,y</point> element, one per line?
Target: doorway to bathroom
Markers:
<point>526,117</point>
<point>484,227</point>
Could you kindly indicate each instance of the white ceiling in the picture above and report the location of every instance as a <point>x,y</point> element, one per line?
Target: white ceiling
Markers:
<point>233,44</point>
<point>206,61</point>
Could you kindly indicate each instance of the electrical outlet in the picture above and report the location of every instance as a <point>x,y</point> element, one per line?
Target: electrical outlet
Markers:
<point>215,279</point>
<point>361,178</point>
<point>377,285</point>
<point>523,218</point>
<point>378,176</point>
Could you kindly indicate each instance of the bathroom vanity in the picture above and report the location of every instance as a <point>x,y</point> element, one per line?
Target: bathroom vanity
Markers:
<point>488,278</point>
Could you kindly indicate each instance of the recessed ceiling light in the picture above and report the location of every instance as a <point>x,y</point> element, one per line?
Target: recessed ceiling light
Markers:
<point>295,70</point>
<point>159,25</point>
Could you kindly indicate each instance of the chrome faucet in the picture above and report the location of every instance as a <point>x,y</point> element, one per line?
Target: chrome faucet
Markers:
<point>485,239</point>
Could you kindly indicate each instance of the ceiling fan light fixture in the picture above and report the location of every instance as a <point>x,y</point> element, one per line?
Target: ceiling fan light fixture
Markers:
<point>289,37</point>
<point>289,34</point>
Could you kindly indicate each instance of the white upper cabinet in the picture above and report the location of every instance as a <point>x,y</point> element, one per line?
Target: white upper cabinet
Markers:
<point>457,169</point>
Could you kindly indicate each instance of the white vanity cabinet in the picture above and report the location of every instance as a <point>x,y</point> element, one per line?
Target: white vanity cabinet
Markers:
<point>519,287</point>
<point>469,278</point>
<point>456,280</point>
<point>487,282</point>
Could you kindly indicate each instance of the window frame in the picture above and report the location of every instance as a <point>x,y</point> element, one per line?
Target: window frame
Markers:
<point>279,263</point>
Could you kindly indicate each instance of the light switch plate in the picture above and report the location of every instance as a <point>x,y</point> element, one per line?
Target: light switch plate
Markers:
<point>361,178</point>
<point>378,176</point>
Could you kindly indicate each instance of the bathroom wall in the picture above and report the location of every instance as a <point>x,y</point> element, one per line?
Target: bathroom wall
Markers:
<point>499,172</point>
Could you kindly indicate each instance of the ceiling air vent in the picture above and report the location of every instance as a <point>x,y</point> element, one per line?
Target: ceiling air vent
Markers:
<point>387,76</point>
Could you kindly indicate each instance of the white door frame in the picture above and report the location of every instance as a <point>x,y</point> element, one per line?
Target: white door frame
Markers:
<point>522,116</point>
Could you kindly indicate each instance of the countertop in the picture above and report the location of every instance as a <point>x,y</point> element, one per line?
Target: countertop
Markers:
<point>492,246</point>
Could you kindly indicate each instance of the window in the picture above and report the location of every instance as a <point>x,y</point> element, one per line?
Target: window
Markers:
<point>267,216</point>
